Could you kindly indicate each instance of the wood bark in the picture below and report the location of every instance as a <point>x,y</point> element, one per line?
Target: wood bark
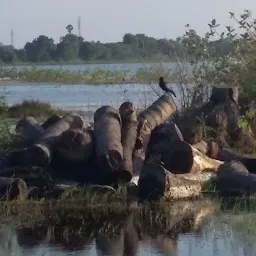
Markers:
<point>180,157</point>
<point>222,113</point>
<point>209,147</point>
<point>51,121</point>
<point>233,177</point>
<point>156,182</point>
<point>32,175</point>
<point>108,146</point>
<point>155,115</point>
<point>11,188</point>
<point>128,135</point>
<point>40,154</point>
<point>30,129</point>
<point>75,145</point>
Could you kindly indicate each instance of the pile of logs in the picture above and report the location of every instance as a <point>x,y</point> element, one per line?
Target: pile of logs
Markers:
<point>122,147</point>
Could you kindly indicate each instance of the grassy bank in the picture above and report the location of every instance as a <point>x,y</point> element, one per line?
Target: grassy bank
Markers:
<point>144,75</point>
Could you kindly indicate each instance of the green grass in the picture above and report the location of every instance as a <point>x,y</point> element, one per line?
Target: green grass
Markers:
<point>37,75</point>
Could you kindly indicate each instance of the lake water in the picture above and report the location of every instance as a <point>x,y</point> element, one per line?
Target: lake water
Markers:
<point>188,231</point>
<point>85,98</point>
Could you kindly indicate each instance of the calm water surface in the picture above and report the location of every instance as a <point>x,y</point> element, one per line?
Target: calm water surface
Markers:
<point>187,231</point>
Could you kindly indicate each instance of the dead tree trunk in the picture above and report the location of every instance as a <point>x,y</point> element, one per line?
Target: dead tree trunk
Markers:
<point>155,115</point>
<point>222,113</point>
<point>128,135</point>
<point>13,188</point>
<point>109,149</point>
<point>51,121</point>
<point>40,154</point>
<point>30,129</point>
<point>156,182</point>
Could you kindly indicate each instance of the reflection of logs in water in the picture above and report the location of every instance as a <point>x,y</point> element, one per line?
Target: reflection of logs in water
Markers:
<point>119,234</point>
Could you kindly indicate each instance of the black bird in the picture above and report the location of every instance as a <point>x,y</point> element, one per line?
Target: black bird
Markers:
<point>163,86</point>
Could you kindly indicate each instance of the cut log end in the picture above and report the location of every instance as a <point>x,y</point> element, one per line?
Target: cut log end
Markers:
<point>156,182</point>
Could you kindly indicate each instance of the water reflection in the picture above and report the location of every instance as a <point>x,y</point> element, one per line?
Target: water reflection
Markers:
<point>183,228</point>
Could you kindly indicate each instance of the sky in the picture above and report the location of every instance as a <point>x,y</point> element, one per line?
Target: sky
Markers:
<point>109,20</point>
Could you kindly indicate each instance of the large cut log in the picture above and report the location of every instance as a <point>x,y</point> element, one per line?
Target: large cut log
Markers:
<point>209,147</point>
<point>162,139</point>
<point>212,149</point>
<point>75,145</point>
<point>51,121</point>
<point>108,146</point>
<point>30,129</point>
<point>156,182</point>
<point>233,177</point>
<point>32,175</point>
<point>128,134</point>
<point>11,188</point>
<point>40,154</point>
<point>156,114</point>
<point>181,157</point>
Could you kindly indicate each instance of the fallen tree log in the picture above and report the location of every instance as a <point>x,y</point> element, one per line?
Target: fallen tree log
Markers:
<point>208,147</point>
<point>181,157</point>
<point>156,182</point>
<point>108,146</point>
<point>155,115</point>
<point>51,121</point>
<point>40,154</point>
<point>75,145</point>
<point>32,175</point>
<point>13,188</point>
<point>128,135</point>
<point>234,178</point>
<point>212,149</point>
<point>30,129</point>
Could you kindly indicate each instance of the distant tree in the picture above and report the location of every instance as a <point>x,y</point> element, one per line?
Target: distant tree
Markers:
<point>40,49</point>
<point>7,54</point>
<point>69,28</point>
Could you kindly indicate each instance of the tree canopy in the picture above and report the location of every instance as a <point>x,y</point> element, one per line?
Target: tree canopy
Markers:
<point>133,47</point>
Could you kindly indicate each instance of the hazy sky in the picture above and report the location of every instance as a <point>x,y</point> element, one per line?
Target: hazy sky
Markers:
<point>109,20</point>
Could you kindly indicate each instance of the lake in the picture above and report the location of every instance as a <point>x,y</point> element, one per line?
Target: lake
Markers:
<point>186,229</point>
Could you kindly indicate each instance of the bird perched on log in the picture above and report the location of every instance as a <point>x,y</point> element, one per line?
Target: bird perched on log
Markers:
<point>163,86</point>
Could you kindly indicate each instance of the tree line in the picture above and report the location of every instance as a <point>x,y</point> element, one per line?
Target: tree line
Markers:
<point>133,47</point>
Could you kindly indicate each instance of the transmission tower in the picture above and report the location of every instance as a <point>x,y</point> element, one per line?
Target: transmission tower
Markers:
<point>79,26</point>
<point>12,37</point>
